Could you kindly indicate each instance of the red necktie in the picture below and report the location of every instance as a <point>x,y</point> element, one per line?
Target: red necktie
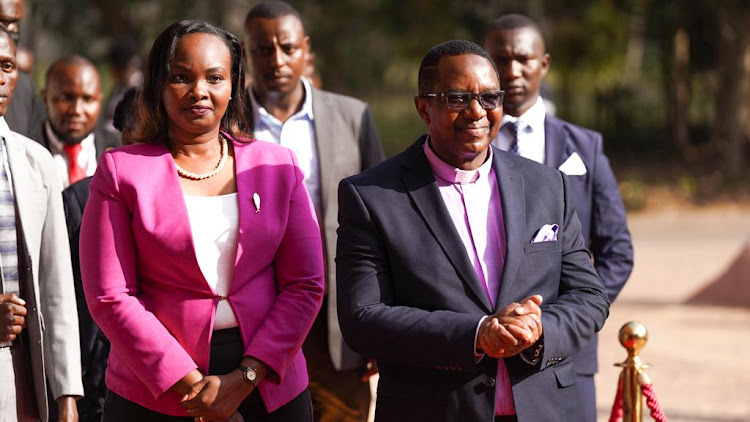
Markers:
<point>75,172</point>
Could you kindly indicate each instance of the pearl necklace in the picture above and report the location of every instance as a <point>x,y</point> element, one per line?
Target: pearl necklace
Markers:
<point>201,176</point>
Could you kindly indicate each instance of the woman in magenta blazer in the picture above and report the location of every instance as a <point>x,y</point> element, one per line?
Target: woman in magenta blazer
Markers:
<point>200,252</point>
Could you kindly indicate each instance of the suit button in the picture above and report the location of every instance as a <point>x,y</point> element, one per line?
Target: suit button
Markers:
<point>489,382</point>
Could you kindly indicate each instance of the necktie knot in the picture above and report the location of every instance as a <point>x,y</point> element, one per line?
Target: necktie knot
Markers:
<point>512,128</point>
<point>75,172</point>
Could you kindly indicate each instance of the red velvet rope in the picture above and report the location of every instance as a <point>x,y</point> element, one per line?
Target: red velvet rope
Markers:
<point>656,411</point>
<point>617,413</point>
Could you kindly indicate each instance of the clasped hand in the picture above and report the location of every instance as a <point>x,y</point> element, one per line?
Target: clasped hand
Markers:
<point>511,330</point>
<point>216,398</point>
<point>12,316</point>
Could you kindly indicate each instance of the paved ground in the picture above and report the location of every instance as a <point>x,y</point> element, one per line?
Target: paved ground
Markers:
<point>700,354</point>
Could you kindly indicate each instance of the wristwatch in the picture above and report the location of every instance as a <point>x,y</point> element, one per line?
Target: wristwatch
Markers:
<point>250,374</point>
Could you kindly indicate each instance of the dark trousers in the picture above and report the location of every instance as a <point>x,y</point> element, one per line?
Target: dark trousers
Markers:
<point>338,396</point>
<point>226,353</point>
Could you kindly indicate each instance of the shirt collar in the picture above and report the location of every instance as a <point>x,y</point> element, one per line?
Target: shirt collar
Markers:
<point>4,128</point>
<point>259,112</point>
<point>533,118</point>
<point>455,175</point>
<point>56,145</point>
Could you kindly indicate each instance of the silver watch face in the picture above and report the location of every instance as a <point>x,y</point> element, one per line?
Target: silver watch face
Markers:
<point>251,375</point>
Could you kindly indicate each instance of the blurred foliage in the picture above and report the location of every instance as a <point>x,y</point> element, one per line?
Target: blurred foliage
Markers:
<point>616,64</point>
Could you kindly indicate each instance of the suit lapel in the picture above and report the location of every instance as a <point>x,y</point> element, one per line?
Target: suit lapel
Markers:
<point>26,186</point>
<point>510,183</point>
<point>421,187</point>
<point>325,136</point>
<point>554,142</point>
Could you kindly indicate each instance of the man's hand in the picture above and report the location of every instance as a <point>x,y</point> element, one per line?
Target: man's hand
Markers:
<point>216,398</point>
<point>12,316</point>
<point>68,409</point>
<point>512,329</point>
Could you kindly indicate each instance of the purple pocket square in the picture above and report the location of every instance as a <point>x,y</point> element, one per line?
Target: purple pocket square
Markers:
<point>548,233</point>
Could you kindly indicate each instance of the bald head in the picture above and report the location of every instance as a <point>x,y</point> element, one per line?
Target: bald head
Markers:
<point>72,97</point>
<point>67,65</point>
<point>11,13</point>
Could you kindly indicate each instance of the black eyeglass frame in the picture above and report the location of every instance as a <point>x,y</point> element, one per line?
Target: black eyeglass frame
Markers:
<point>443,96</point>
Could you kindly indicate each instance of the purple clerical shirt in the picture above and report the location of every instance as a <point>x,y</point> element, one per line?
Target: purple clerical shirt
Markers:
<point>472,198</point>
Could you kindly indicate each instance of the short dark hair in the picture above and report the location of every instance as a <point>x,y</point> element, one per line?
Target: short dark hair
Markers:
<point>272,10</point>
<point>123,52</point>
<point>514,21</point>
<point>151,123</point>
<point>429,75</point>
<point>70,60</point>
<point>124,115</point>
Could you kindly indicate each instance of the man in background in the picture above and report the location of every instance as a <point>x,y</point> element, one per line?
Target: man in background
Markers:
<point>516,45</point>
<point>26,112</point>
<point>333,137</point>
<point>73,99</point>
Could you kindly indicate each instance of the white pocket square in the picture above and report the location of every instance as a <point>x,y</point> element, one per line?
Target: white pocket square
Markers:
<point>548,233</point>
<point>573,166</point>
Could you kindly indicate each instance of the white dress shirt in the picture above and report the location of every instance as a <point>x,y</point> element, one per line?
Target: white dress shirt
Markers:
<point>297,134</point>
<point>86,158</point>
<point>530,132</point>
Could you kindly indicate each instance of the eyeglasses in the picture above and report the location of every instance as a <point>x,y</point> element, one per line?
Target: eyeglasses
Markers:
<point>489,100</point>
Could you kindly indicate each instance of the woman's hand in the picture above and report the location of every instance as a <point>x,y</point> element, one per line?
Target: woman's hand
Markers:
<point>216,398</point>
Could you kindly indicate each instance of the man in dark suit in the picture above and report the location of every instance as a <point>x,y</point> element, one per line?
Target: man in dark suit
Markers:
<point>26,112</point>
<point>73,99</point>
<point>94,344</point>
<point>333,137</point>
<point>461,267</point>
<point>517,47</point>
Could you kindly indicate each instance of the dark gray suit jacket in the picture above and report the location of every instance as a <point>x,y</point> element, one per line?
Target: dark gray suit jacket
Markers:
<point>347,143</point>
<point>409,297</point>
<point>600,210</point>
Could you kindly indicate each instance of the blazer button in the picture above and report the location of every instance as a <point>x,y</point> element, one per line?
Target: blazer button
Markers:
<point>489,382</point>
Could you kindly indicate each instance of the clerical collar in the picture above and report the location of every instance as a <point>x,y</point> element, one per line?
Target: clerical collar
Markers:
<point>455,175</point>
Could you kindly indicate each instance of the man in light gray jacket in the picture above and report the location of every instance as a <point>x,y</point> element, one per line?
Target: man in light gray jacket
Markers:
<point>39,331</point>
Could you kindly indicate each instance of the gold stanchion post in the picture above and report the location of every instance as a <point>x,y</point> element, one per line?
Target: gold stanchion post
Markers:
<point>633,337</point>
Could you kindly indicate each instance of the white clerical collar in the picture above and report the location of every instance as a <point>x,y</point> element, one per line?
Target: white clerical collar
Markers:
<point>455,175</point>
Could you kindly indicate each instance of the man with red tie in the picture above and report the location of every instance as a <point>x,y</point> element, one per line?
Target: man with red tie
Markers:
<point>73,99</point>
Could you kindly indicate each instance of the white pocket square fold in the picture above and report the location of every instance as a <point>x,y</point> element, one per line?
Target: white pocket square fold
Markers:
<point>548,233</point>
<point>573,166</point>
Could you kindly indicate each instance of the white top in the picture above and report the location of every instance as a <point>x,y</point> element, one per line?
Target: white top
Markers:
<point>297,134</point>
<point>214,221</point>
<point>530,132</point>
<point>86,158</point>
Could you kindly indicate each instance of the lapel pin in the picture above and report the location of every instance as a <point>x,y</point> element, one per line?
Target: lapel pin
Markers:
<point>256,201</point>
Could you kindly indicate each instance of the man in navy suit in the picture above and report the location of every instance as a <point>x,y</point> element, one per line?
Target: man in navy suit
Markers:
<point>516,45</point>
<point>461,268</point>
